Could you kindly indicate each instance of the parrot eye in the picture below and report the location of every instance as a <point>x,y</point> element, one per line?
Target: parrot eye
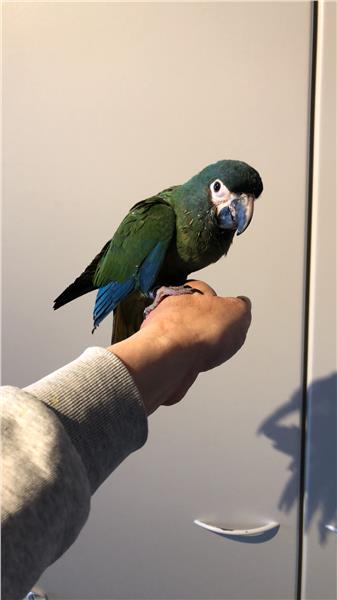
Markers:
<point>219,190</point>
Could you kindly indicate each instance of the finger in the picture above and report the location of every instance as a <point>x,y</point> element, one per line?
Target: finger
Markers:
<point>203,287</point>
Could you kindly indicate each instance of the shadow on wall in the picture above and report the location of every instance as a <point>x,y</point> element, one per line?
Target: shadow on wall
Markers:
<point>321,453</point>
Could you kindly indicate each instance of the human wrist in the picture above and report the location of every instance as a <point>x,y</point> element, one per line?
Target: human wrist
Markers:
<point>152,362</point>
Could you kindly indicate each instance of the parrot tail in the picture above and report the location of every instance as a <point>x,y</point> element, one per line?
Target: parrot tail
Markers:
<point>74,290</point>
<point>82,284</point>
<point>128,316</point>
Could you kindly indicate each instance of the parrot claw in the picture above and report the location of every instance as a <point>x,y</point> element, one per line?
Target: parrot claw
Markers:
<point>164,291</point>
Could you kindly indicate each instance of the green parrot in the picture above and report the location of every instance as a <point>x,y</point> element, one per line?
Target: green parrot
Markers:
<point>165,238</point>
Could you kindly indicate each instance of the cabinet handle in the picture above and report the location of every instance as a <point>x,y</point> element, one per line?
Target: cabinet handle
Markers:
<point>256,531</point>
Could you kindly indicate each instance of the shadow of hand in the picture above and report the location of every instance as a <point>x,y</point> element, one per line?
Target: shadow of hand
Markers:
<point>321,452</point>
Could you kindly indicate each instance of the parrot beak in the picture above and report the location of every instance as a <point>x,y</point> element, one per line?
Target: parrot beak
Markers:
<point>244,212</point>
<point>237,214</point>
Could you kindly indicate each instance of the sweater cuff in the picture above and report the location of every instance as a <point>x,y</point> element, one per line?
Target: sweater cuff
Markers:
<point>100,408</point>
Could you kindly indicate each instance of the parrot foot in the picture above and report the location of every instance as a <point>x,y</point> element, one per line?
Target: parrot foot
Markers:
<point>164,291</point>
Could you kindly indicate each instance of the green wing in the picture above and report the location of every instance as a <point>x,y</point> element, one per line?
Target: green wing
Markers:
<point>138,247</point>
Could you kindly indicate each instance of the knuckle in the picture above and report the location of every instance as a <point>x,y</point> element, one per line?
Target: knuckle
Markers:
<point>245,302</point>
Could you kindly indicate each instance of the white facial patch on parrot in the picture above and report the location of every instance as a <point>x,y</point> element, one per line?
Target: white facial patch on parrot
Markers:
<point>221,196</point>
<point>220,193</point>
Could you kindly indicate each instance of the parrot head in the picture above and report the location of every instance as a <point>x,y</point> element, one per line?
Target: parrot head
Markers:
<point>231,187</point>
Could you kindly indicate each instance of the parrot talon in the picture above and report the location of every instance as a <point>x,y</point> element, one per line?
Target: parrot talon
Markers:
<point>152,293</point>
<point>160,293</point>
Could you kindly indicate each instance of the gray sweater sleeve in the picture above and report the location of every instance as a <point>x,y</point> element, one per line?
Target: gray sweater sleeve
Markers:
<point>61,438</point>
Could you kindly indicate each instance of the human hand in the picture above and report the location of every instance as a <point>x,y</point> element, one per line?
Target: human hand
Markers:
<point>182,337</point>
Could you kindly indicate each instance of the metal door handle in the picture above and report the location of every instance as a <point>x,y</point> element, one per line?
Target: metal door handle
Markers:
<point>256,531</point>
<point>331,528</point>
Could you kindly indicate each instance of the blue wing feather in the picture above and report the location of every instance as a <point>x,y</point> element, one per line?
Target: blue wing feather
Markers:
<point>109,296</point>
<point>150,267</point>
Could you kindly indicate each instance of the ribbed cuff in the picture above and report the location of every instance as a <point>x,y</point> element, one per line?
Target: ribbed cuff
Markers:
<point>100,408</point>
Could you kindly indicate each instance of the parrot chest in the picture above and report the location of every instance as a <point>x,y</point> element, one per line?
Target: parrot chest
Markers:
<point>198,243</point>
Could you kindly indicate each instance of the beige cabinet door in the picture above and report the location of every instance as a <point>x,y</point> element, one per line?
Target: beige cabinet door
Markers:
<point>320,500</point>
<point>106,104</point>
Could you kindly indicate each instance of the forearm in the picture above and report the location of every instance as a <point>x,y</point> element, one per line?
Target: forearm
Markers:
<point>100,408</point>
<point>61,437</point>
<point>45,491</point>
